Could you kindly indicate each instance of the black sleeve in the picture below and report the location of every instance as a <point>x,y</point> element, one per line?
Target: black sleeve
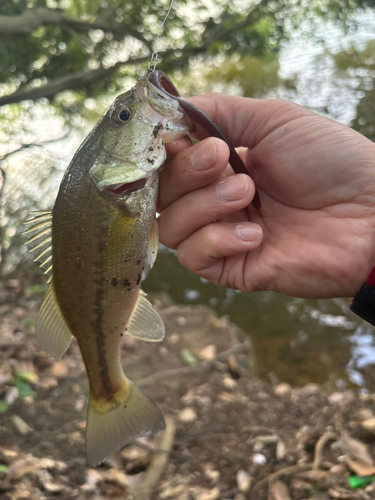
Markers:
<point>363,303</point>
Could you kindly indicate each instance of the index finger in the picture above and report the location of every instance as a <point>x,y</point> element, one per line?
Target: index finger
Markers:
<point>245,121</point>
<point>190,169</point>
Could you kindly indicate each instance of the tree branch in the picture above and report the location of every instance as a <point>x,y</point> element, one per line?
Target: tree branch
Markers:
<point>2,249</point>
<point>67,82</point>
<point>32,19</point>
<point>80,79</point>
<point>28,146</point>
<point>219,32</point>
<point>84,78</point>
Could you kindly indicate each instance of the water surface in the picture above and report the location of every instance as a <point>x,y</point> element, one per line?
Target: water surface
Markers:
<point>295,340</point>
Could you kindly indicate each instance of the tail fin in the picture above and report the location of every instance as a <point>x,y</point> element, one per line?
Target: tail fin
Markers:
<point>109,431</point>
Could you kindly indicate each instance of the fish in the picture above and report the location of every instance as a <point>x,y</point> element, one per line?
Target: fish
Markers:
<point>94,243</point>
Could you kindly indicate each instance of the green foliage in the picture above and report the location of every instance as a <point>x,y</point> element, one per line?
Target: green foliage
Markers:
<point>255,75</point>
<point>28,321</point>
<point>3,406</point>
<point>22,380</point>
<point>358,68</point>
<point>119,36</point>
<point>188,358</point>
<point>37,289</point>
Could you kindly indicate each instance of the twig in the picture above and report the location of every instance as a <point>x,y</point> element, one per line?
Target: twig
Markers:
<point>143,490</point>
<point>33,145</point>
<point>295,469</point>
<point>202,367</point>
<point>320,444</point>
<point>287,471</point>
<point>2,249</point>
<point>157,377</point>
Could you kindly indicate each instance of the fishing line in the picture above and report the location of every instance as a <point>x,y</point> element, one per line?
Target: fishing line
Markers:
<point>154,59</point>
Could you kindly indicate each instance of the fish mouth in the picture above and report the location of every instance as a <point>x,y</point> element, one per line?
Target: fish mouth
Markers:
<point>122,190</point>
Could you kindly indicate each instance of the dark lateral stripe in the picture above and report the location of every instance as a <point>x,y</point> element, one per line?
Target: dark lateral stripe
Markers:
<point>98,323</point>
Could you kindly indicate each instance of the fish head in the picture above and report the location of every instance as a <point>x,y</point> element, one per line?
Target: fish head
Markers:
<point>132,136</point>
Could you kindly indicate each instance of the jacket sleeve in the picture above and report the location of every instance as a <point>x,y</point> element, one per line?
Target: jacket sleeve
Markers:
<point>363,303</point>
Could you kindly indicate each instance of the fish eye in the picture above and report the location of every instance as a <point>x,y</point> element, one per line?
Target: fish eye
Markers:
<point>122,115</point>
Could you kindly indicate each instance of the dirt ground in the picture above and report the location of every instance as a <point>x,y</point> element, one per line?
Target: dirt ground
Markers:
<point>229,435</point>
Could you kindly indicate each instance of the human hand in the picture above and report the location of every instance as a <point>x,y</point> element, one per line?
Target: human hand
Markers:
<point>314,233</point>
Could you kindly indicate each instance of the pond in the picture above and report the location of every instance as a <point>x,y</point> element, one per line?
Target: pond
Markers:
<point>296,340</point>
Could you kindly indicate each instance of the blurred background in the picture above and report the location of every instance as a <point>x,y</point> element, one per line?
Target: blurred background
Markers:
<point>62,62</point>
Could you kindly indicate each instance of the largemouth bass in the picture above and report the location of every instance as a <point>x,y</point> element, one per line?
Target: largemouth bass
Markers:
<point>96,241</point>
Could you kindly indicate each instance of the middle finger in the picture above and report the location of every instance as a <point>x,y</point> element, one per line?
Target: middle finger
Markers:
<point>203,206</point>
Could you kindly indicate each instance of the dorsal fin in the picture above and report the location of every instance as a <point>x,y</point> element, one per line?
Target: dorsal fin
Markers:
<point>39,234</point>
<point>145,323</point>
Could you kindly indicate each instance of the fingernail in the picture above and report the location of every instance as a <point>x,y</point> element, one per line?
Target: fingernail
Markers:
<point>248,233</point>
<point>204,156</point>
<point>232,188</point>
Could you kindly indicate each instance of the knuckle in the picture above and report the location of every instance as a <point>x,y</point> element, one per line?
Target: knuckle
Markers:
<point>184,256</point>
<point>166,236</point>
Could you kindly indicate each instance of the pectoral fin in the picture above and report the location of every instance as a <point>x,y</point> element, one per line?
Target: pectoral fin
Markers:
<point>52,332</point>
<point>153,243</point>
<point>145,323</point>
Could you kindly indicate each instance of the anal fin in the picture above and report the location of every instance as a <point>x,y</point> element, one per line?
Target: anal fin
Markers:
<point>52,332</point>
<point>145,322</point>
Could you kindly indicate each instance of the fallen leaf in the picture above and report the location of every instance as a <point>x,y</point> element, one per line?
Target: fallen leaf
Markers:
<point>356,450</point>
<point>229,382</point>
<point>187,415</point>
<point>48,483</point>
<point>360,468</point>
<point>210,472</point>
<point>206,494</point>
<point>188,357</point>
<point>369,424</point>
<point>25,465</point>
<point>243,481</point>
<point>364,414</point>
<point>20,425</point>
<point>59,369</point>
<point>92,478</point>
<point>208,353</point>
<point>80,403</point>
<point>234,368</point>
<point>11,395</point>
<point>282,389</point>
<point>27,376</point>
<point>279,491</point>
<point>227,397</point>
<point>116,476</point>
<point>132,453</point>
<point>280,450</point>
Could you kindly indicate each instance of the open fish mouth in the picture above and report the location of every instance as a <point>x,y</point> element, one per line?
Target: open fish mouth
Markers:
<point>121,190</point>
